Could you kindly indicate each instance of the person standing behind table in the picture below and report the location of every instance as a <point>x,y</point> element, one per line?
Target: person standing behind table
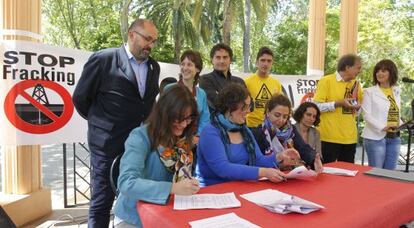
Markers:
<point>381,105</point>
<point>221,57</point>
<point>158,158</point>
<point>338,97</point>
<point>227,150</point>
<point>191,65</point>
<point>115,93</point>
<point>276,134</point>
<point>307,117</point>
<point>261,86</point>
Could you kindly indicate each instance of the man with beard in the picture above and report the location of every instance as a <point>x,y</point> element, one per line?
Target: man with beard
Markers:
<point>212,83</point>
<point>115,93</point>
<point>261,87</point>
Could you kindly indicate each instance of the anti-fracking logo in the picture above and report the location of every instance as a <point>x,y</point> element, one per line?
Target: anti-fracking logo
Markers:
<point>36,114</point>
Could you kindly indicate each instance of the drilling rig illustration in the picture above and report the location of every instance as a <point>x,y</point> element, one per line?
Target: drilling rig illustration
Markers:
<point>33,115</point>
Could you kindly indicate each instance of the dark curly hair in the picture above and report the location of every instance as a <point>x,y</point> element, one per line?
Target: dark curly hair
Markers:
<point>221,46</point>
<point>300,111</point>
<point>231,97</point>
<point>388,65</point>
<point>276,100</point>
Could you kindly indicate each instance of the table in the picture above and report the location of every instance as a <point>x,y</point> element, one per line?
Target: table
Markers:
<point>360,201</point>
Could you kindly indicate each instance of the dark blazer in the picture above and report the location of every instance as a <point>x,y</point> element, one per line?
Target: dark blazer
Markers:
<point>107,96</point>
<point>213,82</point>
<point>306,152</point>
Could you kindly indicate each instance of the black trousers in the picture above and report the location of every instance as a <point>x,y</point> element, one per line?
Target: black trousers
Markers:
<point>338,152</point>
<point>102,195</point>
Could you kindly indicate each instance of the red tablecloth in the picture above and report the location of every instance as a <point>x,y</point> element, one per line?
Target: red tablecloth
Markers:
<point>360,201</point>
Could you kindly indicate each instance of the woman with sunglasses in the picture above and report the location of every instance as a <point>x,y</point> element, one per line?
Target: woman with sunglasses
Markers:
<point>158,158</point>
<point>277,134</point>
<point>227,149</point>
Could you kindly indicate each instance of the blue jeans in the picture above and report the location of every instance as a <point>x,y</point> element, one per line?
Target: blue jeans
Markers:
<point>383,153</point>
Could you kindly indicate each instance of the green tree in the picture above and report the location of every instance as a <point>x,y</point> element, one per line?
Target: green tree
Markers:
<point>79,24</point>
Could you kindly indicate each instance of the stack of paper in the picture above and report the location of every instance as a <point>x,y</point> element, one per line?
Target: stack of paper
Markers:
<point>230,220</point>
<point>280,202</point>
<point>338,171</point>
<point>200,201</point>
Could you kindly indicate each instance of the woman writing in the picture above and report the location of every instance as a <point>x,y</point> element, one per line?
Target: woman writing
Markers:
<point>227,149</point>
<point>381,105</point>
<point>158,159</point>
<point>277,134</point>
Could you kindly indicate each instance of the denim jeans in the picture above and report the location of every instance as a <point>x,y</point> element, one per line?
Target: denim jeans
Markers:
<point>383,153</point>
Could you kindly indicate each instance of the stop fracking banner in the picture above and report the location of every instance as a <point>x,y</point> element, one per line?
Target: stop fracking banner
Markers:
<point>37,83</point>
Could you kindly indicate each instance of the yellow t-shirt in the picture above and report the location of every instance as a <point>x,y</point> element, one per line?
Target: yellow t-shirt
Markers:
<point>338,126</point>
<point>393,112</point>
<point>260,89</point>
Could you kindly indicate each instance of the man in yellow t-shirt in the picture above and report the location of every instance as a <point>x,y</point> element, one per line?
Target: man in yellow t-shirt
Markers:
<point>339,97</point>
<point>261,86</point>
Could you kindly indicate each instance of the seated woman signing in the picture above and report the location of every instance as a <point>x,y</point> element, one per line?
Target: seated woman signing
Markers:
<point>227,149</point>
<point>277,134</point>
<point>158,159</point>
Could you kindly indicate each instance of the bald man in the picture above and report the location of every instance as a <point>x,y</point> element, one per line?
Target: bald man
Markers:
<point>115,94</point>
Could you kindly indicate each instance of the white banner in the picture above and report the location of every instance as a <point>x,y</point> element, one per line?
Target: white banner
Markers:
<point>37,83</point>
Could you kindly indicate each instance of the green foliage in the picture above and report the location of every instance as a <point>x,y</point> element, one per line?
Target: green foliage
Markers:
<point>89,25</point>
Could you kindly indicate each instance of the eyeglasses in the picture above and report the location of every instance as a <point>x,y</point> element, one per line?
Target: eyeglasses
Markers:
<point>187,119</point>
<point>149,39</point>
<point>246,107</point>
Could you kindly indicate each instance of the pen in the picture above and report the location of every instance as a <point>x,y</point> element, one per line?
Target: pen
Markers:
<point>186,174</point>
<point>276,167</point>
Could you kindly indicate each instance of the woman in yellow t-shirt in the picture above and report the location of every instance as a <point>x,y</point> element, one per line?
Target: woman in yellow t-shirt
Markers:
<point>381,110</point>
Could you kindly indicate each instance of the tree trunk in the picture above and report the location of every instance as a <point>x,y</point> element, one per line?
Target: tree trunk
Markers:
<point>124,19</point>
<point>177,48</point>
<point>246,36</point>
<point>228,17</point>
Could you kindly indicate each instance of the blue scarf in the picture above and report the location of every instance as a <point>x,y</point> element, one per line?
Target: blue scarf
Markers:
<point>224,125</point>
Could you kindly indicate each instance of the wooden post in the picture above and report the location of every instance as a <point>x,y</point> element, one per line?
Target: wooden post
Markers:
<point>316,37</point>
<point>23,197</point>
<point>348,34</point>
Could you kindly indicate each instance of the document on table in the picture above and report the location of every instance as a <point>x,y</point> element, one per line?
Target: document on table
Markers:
<point>280,202</point>
<point>301,172</point>
<point>230,220</point>
<point>339,171</point>
<point>201,201</point>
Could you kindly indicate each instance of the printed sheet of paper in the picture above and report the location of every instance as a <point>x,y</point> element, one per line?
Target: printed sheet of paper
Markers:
<point>339,171</point>
<point>230,220</point>
<point>201,201</point>
<point>280,202</point>
<point>301,172</point>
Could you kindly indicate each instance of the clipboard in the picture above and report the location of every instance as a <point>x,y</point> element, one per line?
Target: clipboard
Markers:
<point>392,174</point>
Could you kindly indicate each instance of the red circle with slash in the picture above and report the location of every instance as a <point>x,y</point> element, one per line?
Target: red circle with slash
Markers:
<point>57,121</point>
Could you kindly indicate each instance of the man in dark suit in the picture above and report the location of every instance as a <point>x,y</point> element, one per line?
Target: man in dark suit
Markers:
<point>115,94</point>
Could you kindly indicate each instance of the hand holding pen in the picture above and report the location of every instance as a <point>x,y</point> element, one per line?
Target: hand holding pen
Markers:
<point>186,186</point>
<point>274,175</point>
